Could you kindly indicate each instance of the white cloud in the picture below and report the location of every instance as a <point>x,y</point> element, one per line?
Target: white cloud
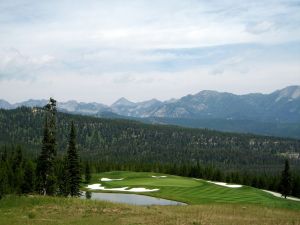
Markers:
<point>161,85</point>
<point>145,48</point>
<point>15,64</point>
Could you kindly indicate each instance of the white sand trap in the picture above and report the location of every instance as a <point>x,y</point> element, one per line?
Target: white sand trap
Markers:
<point>142,190</point>
<point>226,185</point>
<point>159,176</point>
<point>100,187</point>
<point>280,196</point>
<point>108,179</point>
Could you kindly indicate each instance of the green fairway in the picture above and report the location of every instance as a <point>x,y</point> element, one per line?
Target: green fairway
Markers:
<point>192,191</point>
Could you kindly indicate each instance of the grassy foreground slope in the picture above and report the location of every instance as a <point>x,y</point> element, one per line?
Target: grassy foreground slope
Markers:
<point>210,204</point>
<point>54,210</point>
<point>193,191</point>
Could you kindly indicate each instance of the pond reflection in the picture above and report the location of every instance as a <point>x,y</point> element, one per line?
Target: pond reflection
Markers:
<point>88,195</point>
<point>132,199</point>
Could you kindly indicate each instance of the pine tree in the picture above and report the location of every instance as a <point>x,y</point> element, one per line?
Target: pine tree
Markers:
<point>29,178</point>
<point>17,169</point>
<point>73,164</point>
<point>43,162</point>
<point>3,178</point>
<point>51,109</point>
<point>17,159</point>
<point>62,177</point>
<point>296,186</point>
<point>87,173</point>
<point>46,179</point>
<point>286,181</point>
<point>4,155</point>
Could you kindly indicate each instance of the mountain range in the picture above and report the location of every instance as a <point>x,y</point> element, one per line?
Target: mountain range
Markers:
<point>277,110</point>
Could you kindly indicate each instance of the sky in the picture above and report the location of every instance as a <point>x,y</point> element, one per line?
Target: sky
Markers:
<point>102,50</point>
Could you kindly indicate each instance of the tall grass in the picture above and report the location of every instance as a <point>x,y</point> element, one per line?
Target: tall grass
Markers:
<point>54,210</point>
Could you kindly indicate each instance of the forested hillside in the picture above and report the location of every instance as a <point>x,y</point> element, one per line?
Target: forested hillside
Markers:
<point>123,141</point>
<point>290,130</point>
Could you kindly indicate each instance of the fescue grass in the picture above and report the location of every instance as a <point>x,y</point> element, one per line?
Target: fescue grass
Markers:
<point>53,210</point>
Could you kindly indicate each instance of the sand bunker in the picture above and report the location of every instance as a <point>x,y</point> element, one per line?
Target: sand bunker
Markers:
<point>159,176</point>
<point>100,187</point>
<point>226,185</point>
<point>141,190</point>
<point>280,196</point>
<point>108,179</point>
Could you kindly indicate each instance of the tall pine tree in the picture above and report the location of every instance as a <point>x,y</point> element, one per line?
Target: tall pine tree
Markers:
<point>46,179</point>
<point>42,163</point>
<point>286,180</point>
<point>73,164</point>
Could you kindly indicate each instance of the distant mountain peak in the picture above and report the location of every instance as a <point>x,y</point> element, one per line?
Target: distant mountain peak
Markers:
<point>290,92</point>
<point>151,101</point>
<point>123,101</point>
<point>154,100</point>
<point>32,103</point>
<point>172,100</point>
<point>5,104</point>
<point>4,101</point>
<point>208,92</point>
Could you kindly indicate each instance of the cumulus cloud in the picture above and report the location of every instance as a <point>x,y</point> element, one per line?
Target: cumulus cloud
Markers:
<point>16,65</point>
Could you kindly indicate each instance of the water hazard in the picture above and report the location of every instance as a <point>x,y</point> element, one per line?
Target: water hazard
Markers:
<point>132,199</point>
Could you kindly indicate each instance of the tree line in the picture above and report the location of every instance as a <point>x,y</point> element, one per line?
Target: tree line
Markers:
<point>49,174</point>
<point>18,174</point>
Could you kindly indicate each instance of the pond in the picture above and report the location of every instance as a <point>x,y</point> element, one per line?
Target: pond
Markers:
<point>132,199</point>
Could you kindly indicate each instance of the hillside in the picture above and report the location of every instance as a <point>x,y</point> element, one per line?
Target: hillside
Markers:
<point>123,141</point>
<point>291,130</point>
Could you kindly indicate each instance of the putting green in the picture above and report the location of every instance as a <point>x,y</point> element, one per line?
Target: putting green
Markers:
<point>190,190</point>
